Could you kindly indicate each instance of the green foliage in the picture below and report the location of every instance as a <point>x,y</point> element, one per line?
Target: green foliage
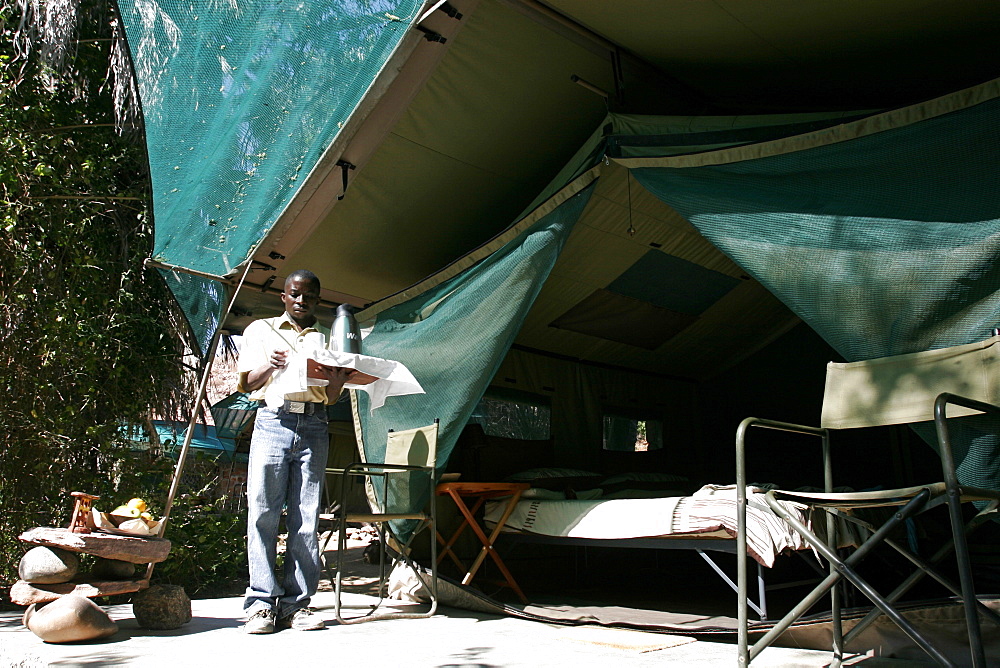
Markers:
<point>207,538</point>
<point>89,339</point>
<point>208,548</point>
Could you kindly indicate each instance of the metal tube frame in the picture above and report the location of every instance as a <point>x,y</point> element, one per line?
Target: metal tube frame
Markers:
<point>958,530</point>
<point>843,569</point>
<point>385,470</point>
<point>761,608</point>
<point>743,634</point>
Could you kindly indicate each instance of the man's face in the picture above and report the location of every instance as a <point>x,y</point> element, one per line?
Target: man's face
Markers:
<point>300,299</point>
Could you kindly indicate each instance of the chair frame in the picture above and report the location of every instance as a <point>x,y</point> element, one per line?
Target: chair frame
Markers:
<point>914,500</point>
<point>427,520</point>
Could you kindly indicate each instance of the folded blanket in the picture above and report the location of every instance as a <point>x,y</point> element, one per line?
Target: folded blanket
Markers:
<point>709,512</point>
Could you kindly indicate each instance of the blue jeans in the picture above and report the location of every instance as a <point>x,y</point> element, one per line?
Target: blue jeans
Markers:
<point>287,468</point>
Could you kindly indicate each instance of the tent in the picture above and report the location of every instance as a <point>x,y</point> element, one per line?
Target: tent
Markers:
<point>670,207</point>
<point>233,414</point>
<point>205,438</point>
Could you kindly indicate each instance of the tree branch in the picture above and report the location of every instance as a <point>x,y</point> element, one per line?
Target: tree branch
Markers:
<point>73,127</point>
<point>97,197</point>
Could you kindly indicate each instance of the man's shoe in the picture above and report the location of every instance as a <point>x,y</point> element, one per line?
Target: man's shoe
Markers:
<point>303,619</point>
<point>259,622</point>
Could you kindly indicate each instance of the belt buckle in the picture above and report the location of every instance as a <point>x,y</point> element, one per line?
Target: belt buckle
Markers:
<point>296,406</point>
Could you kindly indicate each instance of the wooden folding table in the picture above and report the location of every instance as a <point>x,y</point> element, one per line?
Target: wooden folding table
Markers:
<point>481,492</point>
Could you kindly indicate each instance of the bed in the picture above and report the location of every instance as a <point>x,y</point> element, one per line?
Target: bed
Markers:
<point>708,514</point>
<point>650,510</point>
<point>637,515</point>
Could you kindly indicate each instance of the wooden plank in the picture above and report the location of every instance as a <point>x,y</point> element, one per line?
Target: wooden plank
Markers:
<point>25,593</point>
<point>136,550</point>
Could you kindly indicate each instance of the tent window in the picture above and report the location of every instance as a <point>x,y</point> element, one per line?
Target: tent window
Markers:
<point>632,433</point>
<point>511,414</point>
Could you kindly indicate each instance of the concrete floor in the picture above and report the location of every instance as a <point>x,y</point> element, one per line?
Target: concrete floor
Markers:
<point>451,638</point>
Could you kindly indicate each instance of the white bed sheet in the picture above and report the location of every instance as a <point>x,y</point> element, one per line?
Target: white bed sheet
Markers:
<point>709,512</point>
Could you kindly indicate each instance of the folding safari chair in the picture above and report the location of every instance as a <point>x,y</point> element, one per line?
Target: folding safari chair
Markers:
<point>892,390</point>
<point>401,488</point>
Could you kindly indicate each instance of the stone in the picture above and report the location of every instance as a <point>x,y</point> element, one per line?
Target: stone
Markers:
<point>70,618</point>
<point>48,565</point>
<point>162,607</point>
<point>23,593</point>
<point>112,569</point>
<point>145,550</point>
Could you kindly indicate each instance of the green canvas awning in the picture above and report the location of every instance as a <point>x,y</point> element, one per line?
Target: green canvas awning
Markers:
<point>232,414</point>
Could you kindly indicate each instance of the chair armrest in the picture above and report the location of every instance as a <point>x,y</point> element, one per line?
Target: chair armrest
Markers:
<point>374,468</point>
<point>943,435</point>
<point>741,436</point>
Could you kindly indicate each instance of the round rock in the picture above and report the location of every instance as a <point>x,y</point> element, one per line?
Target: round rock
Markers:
<point>162,607</point>
<point>112,569</point>
<point>69,618</point>
<point>48,565</point>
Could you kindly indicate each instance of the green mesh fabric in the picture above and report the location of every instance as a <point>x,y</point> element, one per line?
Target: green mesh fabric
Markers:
<point>232,414</point>
<point>201,300</point>
<point>975,447</point>
<point>453,338</point>
<point>884,244</point>
<point>239,100</point>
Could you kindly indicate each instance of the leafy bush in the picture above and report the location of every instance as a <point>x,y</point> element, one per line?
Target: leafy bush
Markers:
<point>91,342</point>
<point>208,547</point>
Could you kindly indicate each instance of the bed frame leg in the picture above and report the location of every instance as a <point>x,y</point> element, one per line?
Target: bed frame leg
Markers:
<point>760,609</point>
<point>761,592</point>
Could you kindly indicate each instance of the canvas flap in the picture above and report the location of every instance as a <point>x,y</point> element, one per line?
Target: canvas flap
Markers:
<point>902,388</point>
<point>414,447</point>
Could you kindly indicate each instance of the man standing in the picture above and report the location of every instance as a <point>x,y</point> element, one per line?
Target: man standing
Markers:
<point>287,465</point>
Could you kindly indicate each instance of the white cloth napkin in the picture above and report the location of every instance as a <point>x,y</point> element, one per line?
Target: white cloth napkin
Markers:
<point>392,378</point>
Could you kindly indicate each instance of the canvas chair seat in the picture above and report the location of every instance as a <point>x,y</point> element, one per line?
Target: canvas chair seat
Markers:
<point>884,498</point>
<point>893,390</point>
<point>397,489</point>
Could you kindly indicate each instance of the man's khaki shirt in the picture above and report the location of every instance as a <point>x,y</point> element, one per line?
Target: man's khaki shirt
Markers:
<point>264,336</point>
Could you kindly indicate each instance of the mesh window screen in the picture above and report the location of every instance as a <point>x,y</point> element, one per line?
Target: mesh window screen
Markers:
<point>630,434</point>
<point>512,414</point>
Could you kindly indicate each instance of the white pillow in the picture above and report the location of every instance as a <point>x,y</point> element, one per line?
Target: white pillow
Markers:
<point>643,494</point>
<point>640,476</point>
<point>550,472</point>
<point>545,494</point>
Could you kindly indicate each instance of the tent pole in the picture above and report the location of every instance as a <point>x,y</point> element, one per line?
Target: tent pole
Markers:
<point>202,391</point>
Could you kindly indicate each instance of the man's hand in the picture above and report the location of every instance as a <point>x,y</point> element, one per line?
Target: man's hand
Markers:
<point>278,359</point>
<point>337,377</point>
<point>255,380</point>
